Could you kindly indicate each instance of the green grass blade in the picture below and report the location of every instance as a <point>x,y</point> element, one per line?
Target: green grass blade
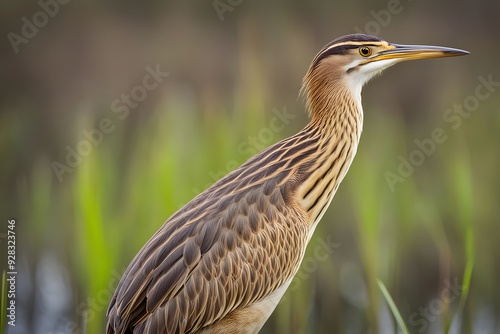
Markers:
<point>468,267</point>
<point>466,281</point>
<point>463,188</point>
<point>393,307</point>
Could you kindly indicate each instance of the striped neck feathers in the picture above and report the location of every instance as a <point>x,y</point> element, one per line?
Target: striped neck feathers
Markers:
<point>332,100</point>
<point>337,116</point>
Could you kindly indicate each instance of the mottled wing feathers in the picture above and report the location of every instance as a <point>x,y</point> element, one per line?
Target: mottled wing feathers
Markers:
<point>230,246</point>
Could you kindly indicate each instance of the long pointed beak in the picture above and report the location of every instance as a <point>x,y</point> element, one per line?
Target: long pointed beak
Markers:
<point>412,52</point>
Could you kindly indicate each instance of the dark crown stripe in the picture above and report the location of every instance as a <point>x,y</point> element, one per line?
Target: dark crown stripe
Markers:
<point>344,43</point>
<point>339,50</point>
<point>334,50</point>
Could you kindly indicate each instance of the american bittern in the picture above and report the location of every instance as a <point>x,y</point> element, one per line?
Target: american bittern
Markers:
<point>222,262</point>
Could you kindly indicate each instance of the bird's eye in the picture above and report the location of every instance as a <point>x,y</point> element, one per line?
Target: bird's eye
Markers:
<point>365,51</point>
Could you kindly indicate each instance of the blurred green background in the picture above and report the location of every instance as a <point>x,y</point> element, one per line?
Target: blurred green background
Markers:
<point>419,214</point>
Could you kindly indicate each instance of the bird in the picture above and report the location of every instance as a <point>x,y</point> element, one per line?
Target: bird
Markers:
<point>221,263</point>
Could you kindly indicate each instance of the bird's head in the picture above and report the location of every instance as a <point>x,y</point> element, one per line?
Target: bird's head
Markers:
<point>346,64</point>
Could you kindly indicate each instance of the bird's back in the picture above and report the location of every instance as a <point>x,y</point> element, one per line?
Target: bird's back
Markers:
<point>222,253</point>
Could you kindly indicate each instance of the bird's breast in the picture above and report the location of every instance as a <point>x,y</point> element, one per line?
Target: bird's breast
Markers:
<point>321,182</point>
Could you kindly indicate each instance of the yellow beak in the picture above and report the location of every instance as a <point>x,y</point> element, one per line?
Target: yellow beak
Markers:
<point>412,52</point>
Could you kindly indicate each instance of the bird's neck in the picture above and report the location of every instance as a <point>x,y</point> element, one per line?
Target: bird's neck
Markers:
<point>337,119</point>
